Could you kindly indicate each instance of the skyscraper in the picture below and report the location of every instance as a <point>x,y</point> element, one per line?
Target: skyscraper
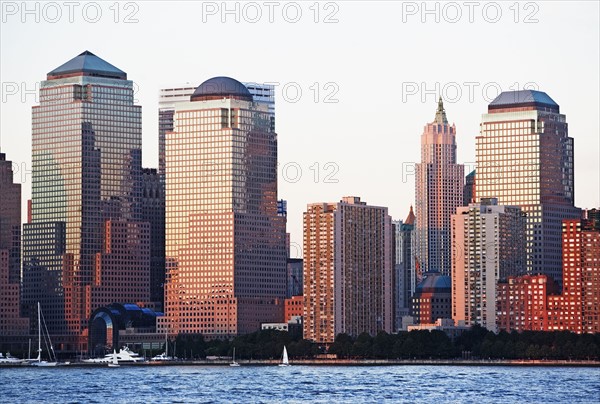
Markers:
<point>171,96</point>
<point>11,323</point>
<point>348,270</point>
<point>525,158</point>
<point>153,212</point>
<point>469,195</point>
<point>487,246</point>
<point>86,191</point>
<point>10,219</point>
<point>225,251</point>
<point>439,191</point>
<point>404,271</point>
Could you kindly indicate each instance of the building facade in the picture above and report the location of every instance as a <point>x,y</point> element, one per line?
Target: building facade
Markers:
<point>522,302</point>
<point>153,212</point>
<point>225,242</point>
<point>439,191</point>
<point>169,97</point>
<point>348,270</point>
<point>432,299</point>
<point>11,322</point>
<point>534,302</point>
<point>488,244</point>
<point>295,273</point>
<point>404,269</point>
<point>294,307</point>
<point>10,219</point>
<point>86,177</point>
<point>469,195</point>
<point>525,158</point>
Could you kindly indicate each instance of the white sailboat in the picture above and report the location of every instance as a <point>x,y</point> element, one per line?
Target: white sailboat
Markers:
<point>115,360</point>
<point>234,363</point>
<point>284,359</point>
<point>165,355</point>
<point>39,361</point>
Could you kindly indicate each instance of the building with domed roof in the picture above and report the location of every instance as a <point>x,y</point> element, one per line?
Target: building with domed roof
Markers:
<point>432,298</point>
<point>225,243</point>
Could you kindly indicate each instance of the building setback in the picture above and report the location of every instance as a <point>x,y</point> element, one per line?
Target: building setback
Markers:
<point>439,191</point>
<point>525,158</point>
<point>348,275</point>
<point>487,245</point>
<point>86,194</point>
<point>225,242</point>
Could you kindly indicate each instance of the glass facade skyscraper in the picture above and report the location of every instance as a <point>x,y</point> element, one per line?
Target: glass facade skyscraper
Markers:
<point>439,191</point>
<point>225,242</point>
<point>525,158</point>
<point>86,196</point>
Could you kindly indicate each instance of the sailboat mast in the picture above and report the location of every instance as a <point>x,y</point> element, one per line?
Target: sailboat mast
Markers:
<point>39,335</point>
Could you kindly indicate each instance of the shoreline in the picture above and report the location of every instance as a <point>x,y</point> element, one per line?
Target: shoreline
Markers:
<point>343,362</point>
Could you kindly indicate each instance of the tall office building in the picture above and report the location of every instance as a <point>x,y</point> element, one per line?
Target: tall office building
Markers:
<point>225,248</point>
<point>525,158</point>
<point>469,195</point>
<point>86,191</point>
<point>487,246</point>
<point>10,219</point>
<point>348,270</point>
<point>153,212</point>
<point>404,270</point>
<point>11,322</point>
<point>439,191</point>
<point>171,96</point>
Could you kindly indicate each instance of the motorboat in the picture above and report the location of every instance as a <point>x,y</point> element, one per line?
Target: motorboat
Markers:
<point>123,356</point>
<point>10,360</point>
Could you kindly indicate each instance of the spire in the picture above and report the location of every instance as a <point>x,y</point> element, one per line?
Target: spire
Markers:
<point>410,219</point>
<point>440,114</point>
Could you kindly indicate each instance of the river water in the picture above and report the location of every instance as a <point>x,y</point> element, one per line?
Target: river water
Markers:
<point>325,384</point>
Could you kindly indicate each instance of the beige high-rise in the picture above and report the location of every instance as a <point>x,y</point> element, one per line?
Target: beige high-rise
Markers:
<point>348,276</point>
<point>487,246</point>
<point>225,243</point>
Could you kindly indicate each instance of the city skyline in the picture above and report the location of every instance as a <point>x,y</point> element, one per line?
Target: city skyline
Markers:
<point>329,123</point>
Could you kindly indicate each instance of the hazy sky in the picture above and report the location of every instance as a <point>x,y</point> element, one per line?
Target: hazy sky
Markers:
<point>378,67</point>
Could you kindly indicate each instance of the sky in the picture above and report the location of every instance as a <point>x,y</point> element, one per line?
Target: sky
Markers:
<point>357,80</point>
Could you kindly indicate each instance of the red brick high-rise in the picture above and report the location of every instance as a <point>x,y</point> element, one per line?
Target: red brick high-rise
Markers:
<point>531,302</point>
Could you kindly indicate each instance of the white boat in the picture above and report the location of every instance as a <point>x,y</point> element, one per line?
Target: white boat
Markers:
<point>38,361</point>
<point>164,357</point>
<point>284,358</point>
<point>9,360</point>
<point>123,356</point>
<point>234,363</point>
<point>115,361</point>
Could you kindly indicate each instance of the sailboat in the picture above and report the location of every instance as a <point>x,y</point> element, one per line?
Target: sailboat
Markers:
<point>234,363</point>
<point>115,361</point>
<point>165,355</point>
<point>39,361</point>
<point>284,359</point>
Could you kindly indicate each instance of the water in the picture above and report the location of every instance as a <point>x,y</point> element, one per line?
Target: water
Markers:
<point>324,384</point>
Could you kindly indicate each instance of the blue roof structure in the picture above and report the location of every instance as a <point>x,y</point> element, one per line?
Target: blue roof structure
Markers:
<point>221,87</point>
<point>434,281</point>
<point>508,99</point>
<point>89,64</point>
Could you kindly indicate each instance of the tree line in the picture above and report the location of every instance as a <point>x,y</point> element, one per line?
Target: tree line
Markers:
<point>475,343</point>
